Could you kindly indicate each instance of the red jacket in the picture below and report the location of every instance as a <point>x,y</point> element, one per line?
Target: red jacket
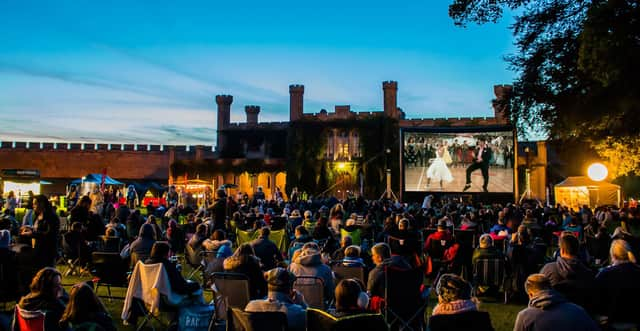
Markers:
<point>437,236</point>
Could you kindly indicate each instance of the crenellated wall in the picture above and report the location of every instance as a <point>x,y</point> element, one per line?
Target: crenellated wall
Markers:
<point>74,160</point>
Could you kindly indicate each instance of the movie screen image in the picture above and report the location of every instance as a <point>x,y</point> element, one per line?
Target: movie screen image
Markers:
<point>458,162</point>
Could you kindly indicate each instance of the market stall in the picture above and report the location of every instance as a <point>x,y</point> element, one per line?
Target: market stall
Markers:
<point>88,182</point>
<point>580,190</point>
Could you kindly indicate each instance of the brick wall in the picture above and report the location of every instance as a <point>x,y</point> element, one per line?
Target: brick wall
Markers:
<point>77,163</point>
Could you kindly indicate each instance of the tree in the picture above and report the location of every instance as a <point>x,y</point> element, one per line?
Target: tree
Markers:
<point>576,64</point>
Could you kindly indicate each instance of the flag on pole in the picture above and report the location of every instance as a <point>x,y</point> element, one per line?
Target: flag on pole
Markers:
<point>104,177</point>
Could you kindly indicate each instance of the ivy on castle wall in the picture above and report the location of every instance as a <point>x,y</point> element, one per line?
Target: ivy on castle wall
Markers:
<point>308,169</point>
<point>211,168</point>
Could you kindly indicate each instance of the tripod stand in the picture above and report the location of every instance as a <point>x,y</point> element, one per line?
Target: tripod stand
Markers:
<point>527,194</point>
<point>388,192</point>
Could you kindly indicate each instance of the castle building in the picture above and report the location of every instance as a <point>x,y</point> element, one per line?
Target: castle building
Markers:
<point>340,153</point>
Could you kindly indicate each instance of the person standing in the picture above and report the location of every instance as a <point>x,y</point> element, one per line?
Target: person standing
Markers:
<point>481,158</point>
<point>132,197</point>
<point>10,203</point>
<point>44,232</point>
<point>438,169</point>
<point>219,211</point>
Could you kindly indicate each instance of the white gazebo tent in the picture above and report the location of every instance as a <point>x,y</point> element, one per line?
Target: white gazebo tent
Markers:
<point>581,190</point>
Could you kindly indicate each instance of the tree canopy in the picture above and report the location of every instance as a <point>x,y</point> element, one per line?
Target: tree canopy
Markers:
<point>577,67</point>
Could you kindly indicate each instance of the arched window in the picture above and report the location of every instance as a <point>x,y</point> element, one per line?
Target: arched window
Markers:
<point>330,146</point>
<point>355,141</point>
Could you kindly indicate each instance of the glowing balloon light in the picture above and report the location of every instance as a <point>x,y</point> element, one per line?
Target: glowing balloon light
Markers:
<point>597,172</point>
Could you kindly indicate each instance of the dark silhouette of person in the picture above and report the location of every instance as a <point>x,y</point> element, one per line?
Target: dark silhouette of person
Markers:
<point>481,159</point>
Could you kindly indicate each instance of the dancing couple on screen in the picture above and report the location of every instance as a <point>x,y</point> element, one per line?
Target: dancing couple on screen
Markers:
<point>481,158</point>
<point>438,169</point>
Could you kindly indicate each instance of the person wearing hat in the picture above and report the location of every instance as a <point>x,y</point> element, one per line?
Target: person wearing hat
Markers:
<point>281,297</point>
<point>456,309</point>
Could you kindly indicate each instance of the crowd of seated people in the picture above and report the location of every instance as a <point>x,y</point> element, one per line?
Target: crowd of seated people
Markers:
<point>448,237</point>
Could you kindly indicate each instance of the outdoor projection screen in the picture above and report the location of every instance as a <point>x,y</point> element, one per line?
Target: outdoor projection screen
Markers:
<point>438,160</point>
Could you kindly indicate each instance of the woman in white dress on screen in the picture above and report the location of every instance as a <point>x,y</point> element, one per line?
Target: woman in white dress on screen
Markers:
<point>438,170</point>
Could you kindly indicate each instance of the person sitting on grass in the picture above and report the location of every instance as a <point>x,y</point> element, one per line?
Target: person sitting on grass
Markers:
<point>85,311</point>
<point>456,308</point>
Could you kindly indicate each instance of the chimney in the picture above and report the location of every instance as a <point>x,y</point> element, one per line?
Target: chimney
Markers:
<point>224,117</point>
<point>252,114</point>
<point>343,111</point>
<point>390,89</point>
<point>296,102</point>
<point>500,104</point>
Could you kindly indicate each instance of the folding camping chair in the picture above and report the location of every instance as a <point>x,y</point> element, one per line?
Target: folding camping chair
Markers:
<point>232,287</point>
<point>343,272</point>
<point>193,257</point>
<point>239,320</point>
<point>312,288</point>
<point>25,320</point>
<point>150,292</point>
<point>404,300</point>
<point>319,320</point>
<point>492,273</point>
<point>109,269</point>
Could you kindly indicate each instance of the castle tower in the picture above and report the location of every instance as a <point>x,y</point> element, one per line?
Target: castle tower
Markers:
<point>252,114</point>
<point>224,117</point>
<point>501,102</point>
<point>390,90</point>
<point>296,102</point>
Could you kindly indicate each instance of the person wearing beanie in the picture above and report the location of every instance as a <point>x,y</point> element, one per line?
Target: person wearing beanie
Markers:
<point>456,309</point>
<point>486,250</point>
<point>281,297</point>
<point>550,310</point>
<point>617,287</point>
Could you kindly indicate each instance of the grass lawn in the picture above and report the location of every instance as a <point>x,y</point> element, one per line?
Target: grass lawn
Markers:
<point>502,316</point>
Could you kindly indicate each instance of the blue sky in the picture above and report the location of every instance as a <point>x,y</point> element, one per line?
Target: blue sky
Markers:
<point>115,71</point>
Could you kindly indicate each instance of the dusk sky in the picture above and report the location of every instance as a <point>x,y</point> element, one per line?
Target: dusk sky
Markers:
<point>148,71</point>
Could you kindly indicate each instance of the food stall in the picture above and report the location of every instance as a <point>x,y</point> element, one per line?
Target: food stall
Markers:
<point>194,191</point>
<point>87,183</point>
<point>151,193</point>
<point>20,181</point>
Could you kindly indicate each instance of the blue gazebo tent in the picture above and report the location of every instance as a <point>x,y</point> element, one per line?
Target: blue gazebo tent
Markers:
<point>96,179</point>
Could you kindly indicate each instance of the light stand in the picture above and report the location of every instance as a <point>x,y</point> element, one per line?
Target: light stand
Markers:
<point>388,193</point>
<point>527,194</point>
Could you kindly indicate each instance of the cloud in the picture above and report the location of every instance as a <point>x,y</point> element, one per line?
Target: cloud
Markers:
<point>148,89</point>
